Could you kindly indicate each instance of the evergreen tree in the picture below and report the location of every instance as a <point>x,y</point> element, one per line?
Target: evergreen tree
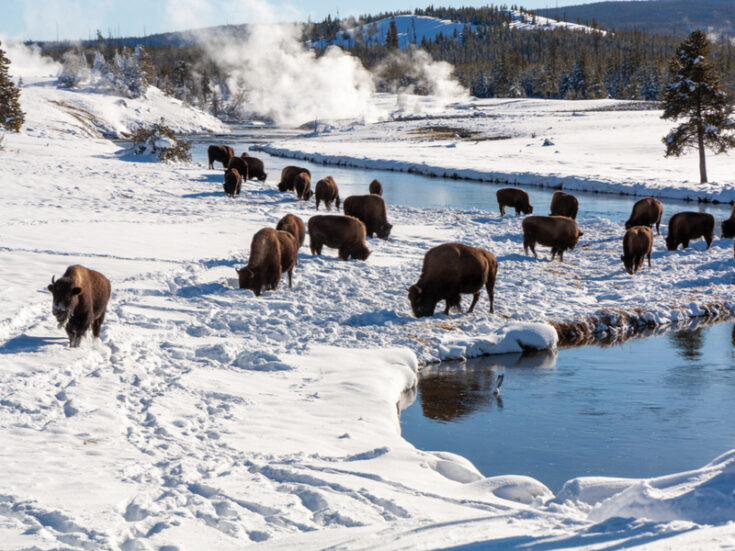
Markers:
<point>11,116</point>
<point>694,94</point>
<point>391,39</point>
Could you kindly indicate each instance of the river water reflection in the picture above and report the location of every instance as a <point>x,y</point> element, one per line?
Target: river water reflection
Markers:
<point>645,408</point>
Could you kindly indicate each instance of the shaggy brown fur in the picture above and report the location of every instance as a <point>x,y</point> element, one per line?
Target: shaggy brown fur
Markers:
<point>685,226</point>
<point>376,188</point>
<point>293,225</point>
<point>646,212</point>
<point>637,245</point>
<point>345,233</point>
<point>289,253</point>
<point>263,271</point>
<point>241,166</point>
<point>514,197</point>
<point>326,190</point>
<point>288,177</point>
<point>558,232</point>
<point>450,270</point>
<point>564,204</point>
<point>371,210</point>
<point>256,168</point>
<point>80,301</point>
<point>728,226</point>
<point>220,153</point>
<point>302,185</point>
<point>233,181</point>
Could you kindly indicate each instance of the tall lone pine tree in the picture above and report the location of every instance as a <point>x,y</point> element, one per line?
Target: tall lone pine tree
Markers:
<point>694,94</point>
<point>11,117</point>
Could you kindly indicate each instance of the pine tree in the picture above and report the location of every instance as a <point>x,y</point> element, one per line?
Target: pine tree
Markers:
<point>391,39</point>
<point>694,94</point>
<point>11,116</point>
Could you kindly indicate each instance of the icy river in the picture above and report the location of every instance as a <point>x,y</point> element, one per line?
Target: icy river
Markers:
<point>644,408</point>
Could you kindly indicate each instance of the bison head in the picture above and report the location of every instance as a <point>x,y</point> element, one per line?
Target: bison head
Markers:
<point>628,263</point>
<point>528,210</point>
<point>671,243</point>
<point>248,279</point>
<point>728,228</point>
<point>421,304</point>
<point>384,230</point>
<point>360,252</point>
<point>65,300</point>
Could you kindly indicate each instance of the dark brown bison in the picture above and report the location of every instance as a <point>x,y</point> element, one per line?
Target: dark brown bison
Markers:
<point>302,185</point>
<point>728,226</point>
<point>263,271</point>
<point>371,210</point>
<point>288,177</point>
<point>514,197</point>
<point>326,190</point>
<point>558,232</point>
<point>80,301</point>
<point>345,233</point>
<point>289,253</point>
<point>241,166</point>
<point>685,226</point>
<point>256,168</point>
<point>450,270</point>
<point>564,204</point>
<point>646,212</point>
<point>221,153</point>
<point>233,181</point>
<point>293,225</point>
<point>376,188</point>
<point>637,245</point>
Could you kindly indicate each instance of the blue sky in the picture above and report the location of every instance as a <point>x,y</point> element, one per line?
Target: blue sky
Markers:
<point>79,19</point>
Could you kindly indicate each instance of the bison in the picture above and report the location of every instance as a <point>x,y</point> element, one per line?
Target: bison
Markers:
<point>450,270</point>
<point>268,260</point>
<point>256,168</point>
<point>288,177</point>
<point>80,301</point>
<point>646,212</point>
<point>241,166</point>
<point>233,181</point>
<point>728,226</point>
<point>558,232</point>
<point>220,153</point>
<point>637,244</point>
<point>326,190</point>
<point>514,197</point>
<point>289,253</point>
<point>564,204</point>
<point>376,188</point>
<point>293,225</point>
<point>685,226</point>
<point>371,210</point>
<point>345,233</point>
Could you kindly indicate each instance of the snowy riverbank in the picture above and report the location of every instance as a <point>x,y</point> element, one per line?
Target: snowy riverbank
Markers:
<point>208,418</point>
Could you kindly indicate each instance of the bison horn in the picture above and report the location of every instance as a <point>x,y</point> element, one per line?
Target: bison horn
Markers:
<point>53,279</point>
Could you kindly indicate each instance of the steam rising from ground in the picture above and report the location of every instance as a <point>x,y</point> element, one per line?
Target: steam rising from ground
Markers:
<point>26,62</point>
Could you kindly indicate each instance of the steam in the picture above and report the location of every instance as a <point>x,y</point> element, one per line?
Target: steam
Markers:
<point>26,62</point>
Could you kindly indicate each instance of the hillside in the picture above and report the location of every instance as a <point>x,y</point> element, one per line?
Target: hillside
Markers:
<point>672,17</point>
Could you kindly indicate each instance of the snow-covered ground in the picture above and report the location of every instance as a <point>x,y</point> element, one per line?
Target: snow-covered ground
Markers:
<point>207,418</point>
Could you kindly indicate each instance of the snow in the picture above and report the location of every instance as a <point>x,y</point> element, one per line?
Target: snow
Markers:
<point>207,418</point>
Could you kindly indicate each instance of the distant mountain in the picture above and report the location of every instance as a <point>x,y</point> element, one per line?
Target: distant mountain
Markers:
<point>671,17</point>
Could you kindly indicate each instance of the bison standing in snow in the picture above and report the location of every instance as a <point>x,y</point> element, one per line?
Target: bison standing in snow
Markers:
<point>220,153</point>
<point>288,177</point>
<point>233,182</point>
<point>293,225</point>
<point>271,253</point>
<point>728,226</point>
<point>241,166</point>
<point>376,188</point>
<point>345,233</point>
<point>326,190</point>
<point>256,168</point>
<point>637,245</point>
<point>371,210</point>
<point>558,232</point>
<point>685,226</point>
<point>564,204</point>
<point>80,301</point>
<point>514,197</point>
<point>646,212</point>
<point>450,270</point>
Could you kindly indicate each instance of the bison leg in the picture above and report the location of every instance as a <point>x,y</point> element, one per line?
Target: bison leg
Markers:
<point>518,211</point>
<point>344,253</point>
<point>490,286</point>
<point>561,254</point>
<point>475,298</point>
<point>97,325</point>
<point>685,244</point>
<point>553,253</point>
<point>290,277</point>
<point>649,259</point>
<point>315,246</point>
<point>529,244</point>
<point>502,209</point>
<point>708,240</point>
<point>658,226</point>
<point>317,203</point>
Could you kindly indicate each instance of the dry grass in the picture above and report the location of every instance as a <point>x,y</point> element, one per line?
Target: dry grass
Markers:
<point>87,120</point>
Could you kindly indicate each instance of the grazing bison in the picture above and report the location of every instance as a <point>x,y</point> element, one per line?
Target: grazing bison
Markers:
<point>558,232</point>
<point>326,190</point>
<point>345,233</point>
<point>302,185</point>
<point>646,212</point>
<point>289,253</point>
<point>293,225</point>
<point>263,271</point>
<point>221,153</point>
<point>233,181</point>
<point>514,197</point>
<point>728,226</point>
<point>80,301</point>
<point>376,188</point>
<point>564,204</point>
<point>637,245</point>
<point>288,177</point>
<point>241,166</point>
<point>685,226</point>
<point>371,210</point>
<point>256,168</point>
<point>450,270</point>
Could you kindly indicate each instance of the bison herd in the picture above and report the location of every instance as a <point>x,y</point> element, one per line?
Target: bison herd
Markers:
<point>81,295</point>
